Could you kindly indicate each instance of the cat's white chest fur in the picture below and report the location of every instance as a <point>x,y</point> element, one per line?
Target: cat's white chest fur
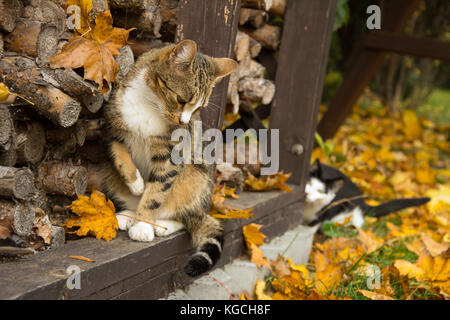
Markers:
<point>141,109</point>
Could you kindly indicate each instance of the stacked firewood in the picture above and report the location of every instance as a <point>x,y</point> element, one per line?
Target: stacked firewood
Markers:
<point>51,123</point>
<point>249,83</point>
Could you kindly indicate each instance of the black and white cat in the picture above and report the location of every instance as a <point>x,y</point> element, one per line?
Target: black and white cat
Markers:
<point>331,195</point>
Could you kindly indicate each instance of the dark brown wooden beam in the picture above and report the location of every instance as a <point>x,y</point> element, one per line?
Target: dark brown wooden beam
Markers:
<point>125,269</point>
<point>403,44</point>
<point>213,25</point>
<point>363,69</point>
<point>299,81</point>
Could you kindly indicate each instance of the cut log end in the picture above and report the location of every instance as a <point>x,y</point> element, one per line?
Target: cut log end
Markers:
<point>18,183</point>
<point>64,110</point>
<point>21,215</point>
<point>268,35</point>
<point>30,143</point>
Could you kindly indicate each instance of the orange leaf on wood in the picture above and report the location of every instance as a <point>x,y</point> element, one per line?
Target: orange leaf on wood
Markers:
<point>274,181</point>
<point>94,51</point>
<point>96,216</point>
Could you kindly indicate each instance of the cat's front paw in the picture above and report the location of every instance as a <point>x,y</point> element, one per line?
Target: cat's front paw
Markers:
<point>141,231</point>
<point>137,187</point>
<point>125,219</point>
<point>170,226</point>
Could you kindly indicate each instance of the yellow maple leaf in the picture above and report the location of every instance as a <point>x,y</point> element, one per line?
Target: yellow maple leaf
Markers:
<point>370,241</point>
<point>327,279</point>
<point>274,181</point>
<point>4,92</point>
<point>253,238</point>
<point>409,269</point>
<point>435,270</point>
<point>411,128</point>
<point>222,211</point>
<point>230,213</point>
<point>424,174</point>
<point>95,216</point>
<point>260,286</point>
<point>433,247</point>
<point>439,205</point>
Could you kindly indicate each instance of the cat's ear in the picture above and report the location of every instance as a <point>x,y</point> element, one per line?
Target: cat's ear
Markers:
<point>336,185</point>
<point>183,54</point>
<point>223,67</point>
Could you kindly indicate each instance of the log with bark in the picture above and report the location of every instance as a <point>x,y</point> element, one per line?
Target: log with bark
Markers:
<point>94,128</point>
<point>23,75</point>
<point>37,32</point>
<point>230,176</point>
<point>257,4</point>
<point>75,86</point>
<point>246,46</point>
<point>65,140</point>
<point>243,81</point>
<point>6,129</point>
<point>2,46</point>
<point>147,16</point>
<point>9,157</point>
<point>268,35</point>
<point>278,7</point>
<point>10,11</point>
<point>16,182</point>
<point>253,17</point>
<point>62,178</point>
<point>257,89</point>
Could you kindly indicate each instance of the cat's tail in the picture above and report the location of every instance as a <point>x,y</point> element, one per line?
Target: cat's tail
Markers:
<point>394,205</point>
<point>207,236</point>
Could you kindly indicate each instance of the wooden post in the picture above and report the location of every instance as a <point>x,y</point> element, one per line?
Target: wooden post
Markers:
<point>363,70</point>
<point>301,70</point>
<point>213,25</point>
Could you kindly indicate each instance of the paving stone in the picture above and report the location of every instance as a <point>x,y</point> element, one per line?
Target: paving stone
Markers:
<point>241,274</point>
<point>206,288</point>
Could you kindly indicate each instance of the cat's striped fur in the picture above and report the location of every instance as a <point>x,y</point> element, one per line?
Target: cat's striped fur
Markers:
<point>163,92</point>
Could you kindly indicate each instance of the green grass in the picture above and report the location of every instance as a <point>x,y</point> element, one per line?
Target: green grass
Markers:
<point>437,108</point>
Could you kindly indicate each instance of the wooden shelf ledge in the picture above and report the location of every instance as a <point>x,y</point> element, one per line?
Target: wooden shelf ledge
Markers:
<point>125,269</point>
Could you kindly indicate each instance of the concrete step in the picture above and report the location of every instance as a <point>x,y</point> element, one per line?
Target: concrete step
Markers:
<point>241,274</point>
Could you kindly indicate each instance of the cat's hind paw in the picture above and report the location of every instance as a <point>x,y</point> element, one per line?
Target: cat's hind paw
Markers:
<point>141,231</point>
<point>125,222</point>
<point>137,187</point>
<point>170,226</point>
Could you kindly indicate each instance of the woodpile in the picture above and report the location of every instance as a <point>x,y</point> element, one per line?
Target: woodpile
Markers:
<point>252,85</point>
<point>249,83</point>
<point>51,123</point>
<point>51,136</point>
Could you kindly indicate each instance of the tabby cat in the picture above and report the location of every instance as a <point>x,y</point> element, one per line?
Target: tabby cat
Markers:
<point>163,92</point>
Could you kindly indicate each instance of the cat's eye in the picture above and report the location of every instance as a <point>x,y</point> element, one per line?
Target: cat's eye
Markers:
<point>181,100</point>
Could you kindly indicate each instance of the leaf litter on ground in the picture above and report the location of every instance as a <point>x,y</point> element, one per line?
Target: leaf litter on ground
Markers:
<point>402,256</point>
